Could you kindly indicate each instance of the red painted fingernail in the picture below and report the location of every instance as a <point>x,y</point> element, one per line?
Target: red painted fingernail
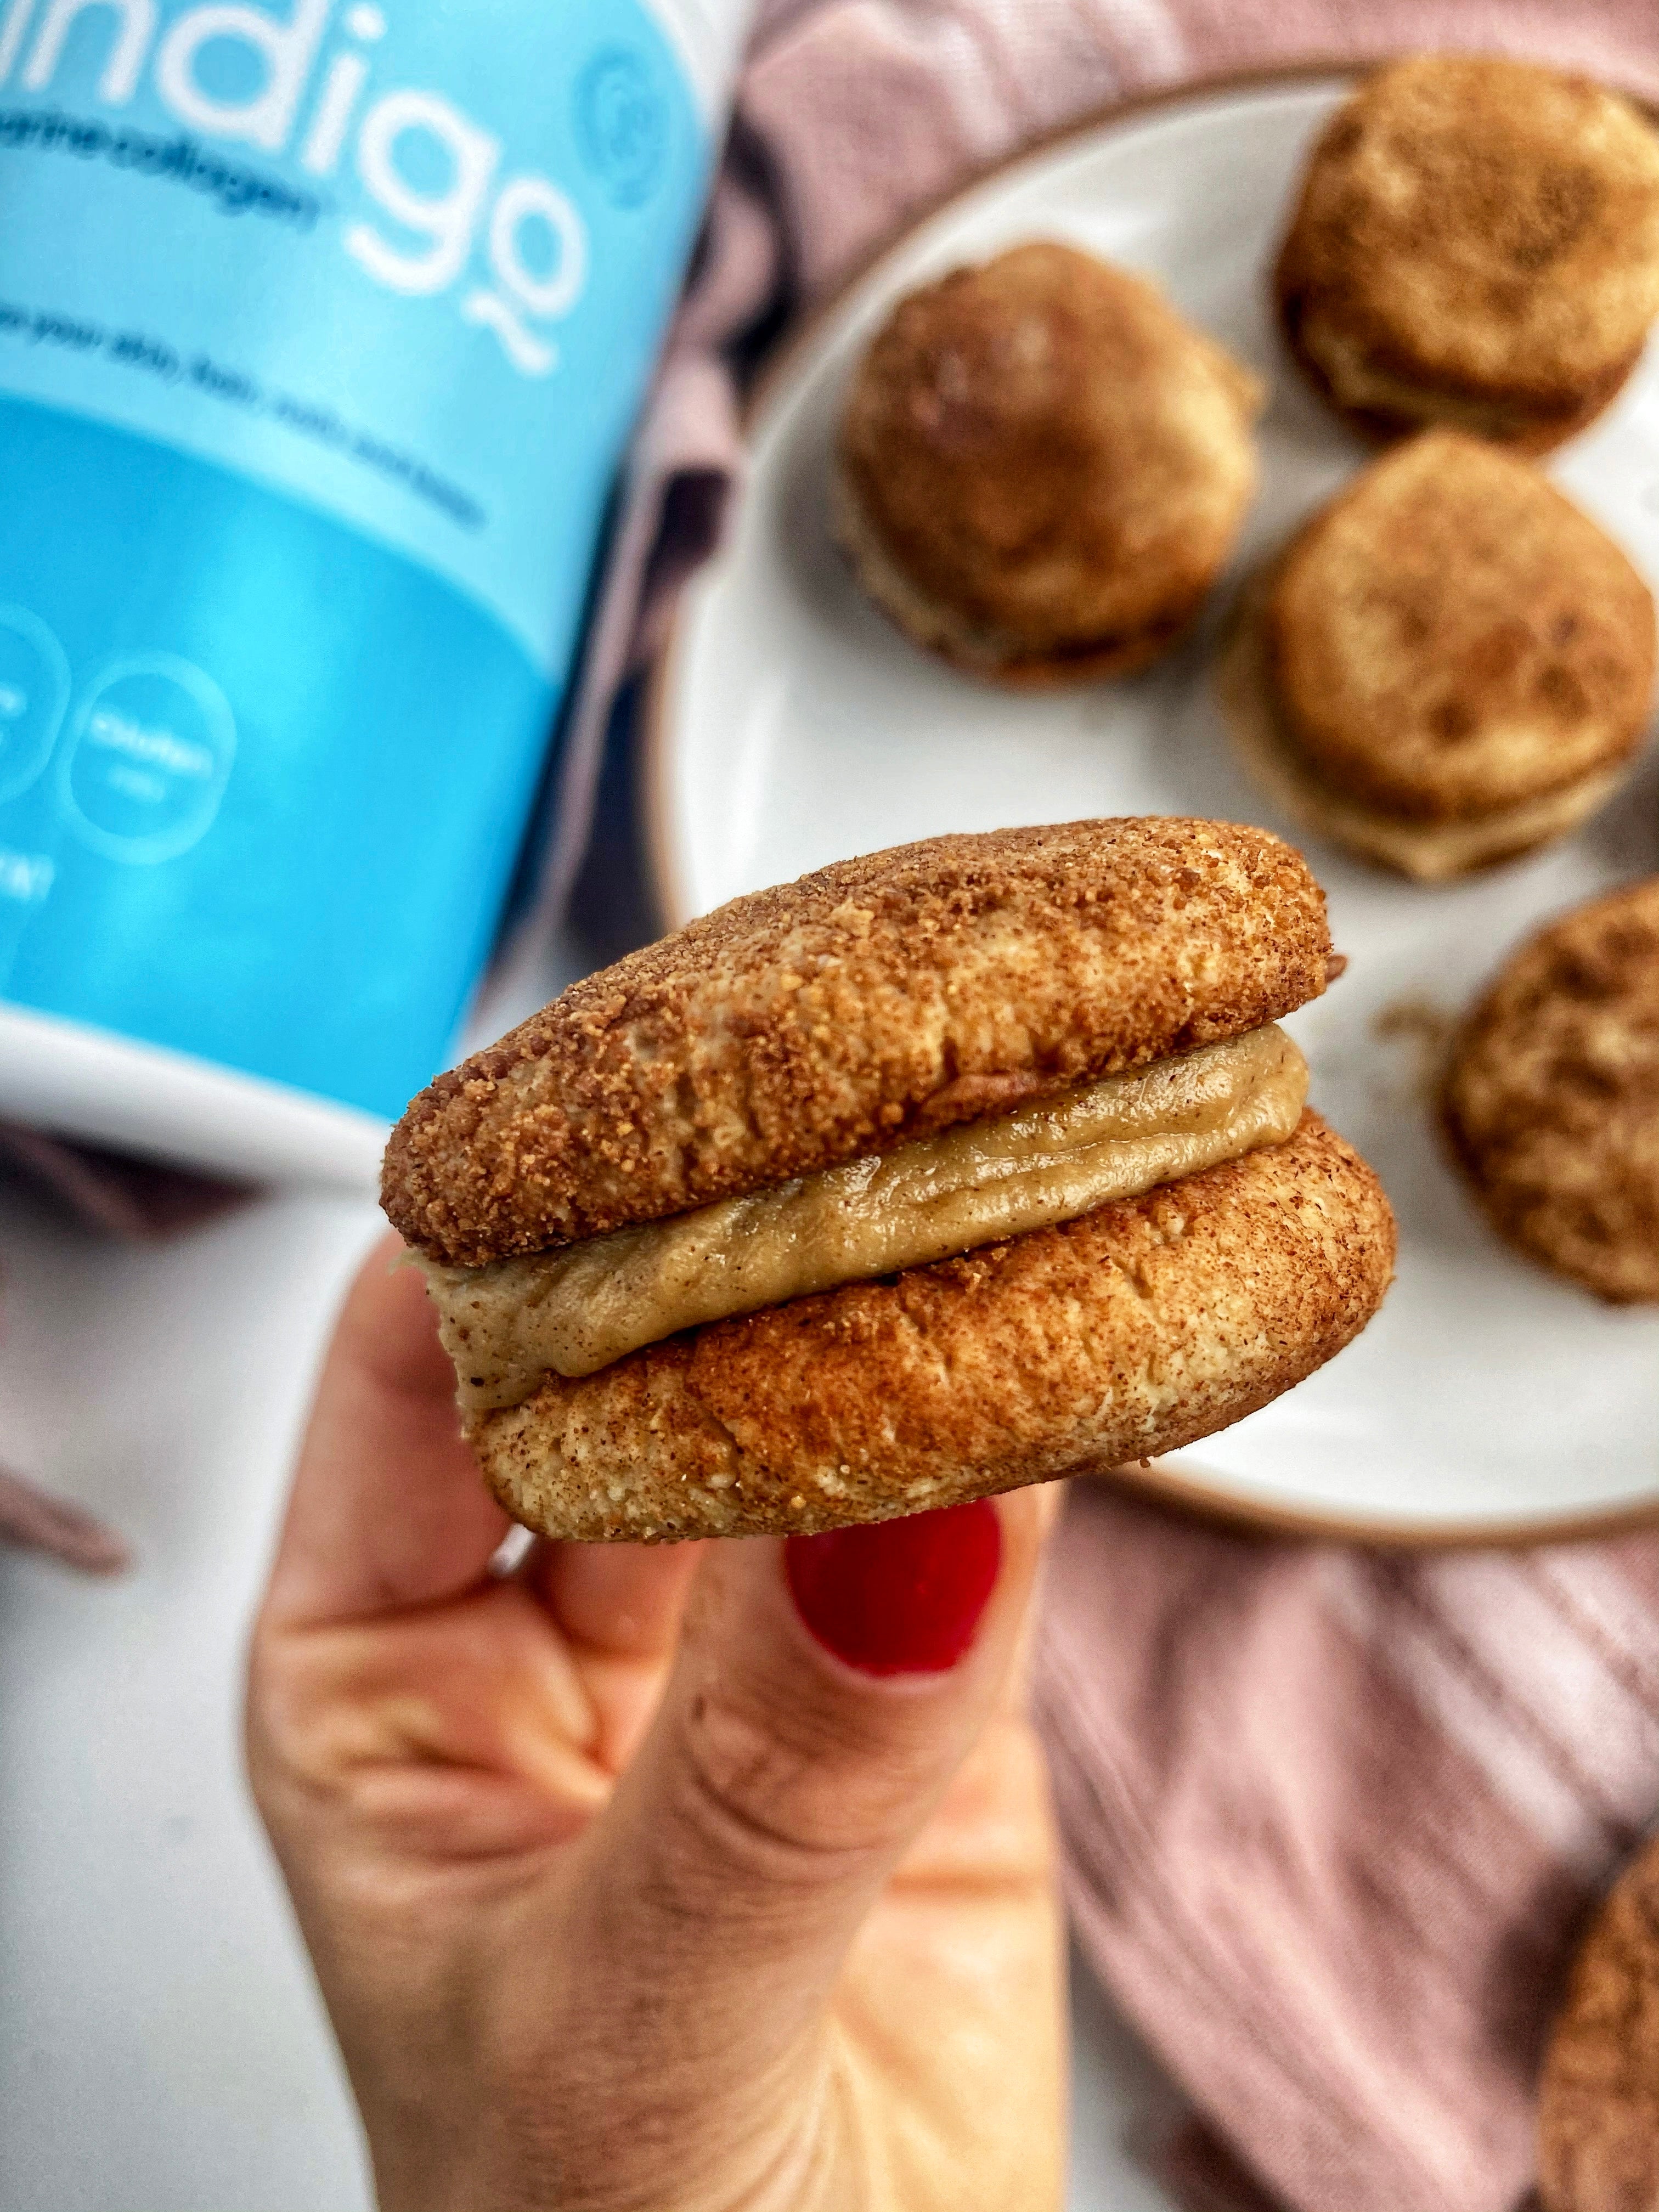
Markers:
<point>899,1597</point>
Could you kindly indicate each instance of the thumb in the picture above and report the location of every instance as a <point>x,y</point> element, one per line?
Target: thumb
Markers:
<point>826,1690</point>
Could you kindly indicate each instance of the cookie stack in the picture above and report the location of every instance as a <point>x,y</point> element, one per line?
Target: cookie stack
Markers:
<point>1041,471</point>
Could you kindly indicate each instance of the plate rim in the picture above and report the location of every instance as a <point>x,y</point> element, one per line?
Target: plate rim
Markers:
<point>1182,1488</point>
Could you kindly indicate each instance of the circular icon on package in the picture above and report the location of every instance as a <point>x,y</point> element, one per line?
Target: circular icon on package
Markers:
<point>34,689</point>
<point>142,778</point>
<point>622,123</point>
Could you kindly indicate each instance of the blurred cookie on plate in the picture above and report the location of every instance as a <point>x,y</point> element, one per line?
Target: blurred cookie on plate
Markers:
<point>1598,2116</point>
<point>1552,1100</point>
<point>1042,468</point>
<point>1476,242</point>
<point>1450,663</point>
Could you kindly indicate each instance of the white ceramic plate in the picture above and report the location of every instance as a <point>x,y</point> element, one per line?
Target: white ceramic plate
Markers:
<point>793,727</point>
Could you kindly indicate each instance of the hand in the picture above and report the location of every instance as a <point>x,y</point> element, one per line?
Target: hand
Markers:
<point>626,1892</point>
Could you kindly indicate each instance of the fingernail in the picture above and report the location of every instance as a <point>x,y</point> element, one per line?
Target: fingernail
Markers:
<point>898,1597</point>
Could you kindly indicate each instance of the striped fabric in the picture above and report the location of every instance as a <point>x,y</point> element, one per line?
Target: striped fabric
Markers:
<point>1333,1821</point>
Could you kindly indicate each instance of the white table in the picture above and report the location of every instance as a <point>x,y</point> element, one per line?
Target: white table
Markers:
<point>161,2047</point>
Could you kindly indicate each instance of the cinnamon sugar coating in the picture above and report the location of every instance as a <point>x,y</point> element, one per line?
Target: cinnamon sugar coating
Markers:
<point>1476,242</point>
<point>1043,467</point>
<point>1598,2118</point>
<point>1451,637</point>
<point>1552,1101</point>
<point>840,1015</point>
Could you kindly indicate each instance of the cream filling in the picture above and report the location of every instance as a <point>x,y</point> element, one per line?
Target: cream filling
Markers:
<point>1356,382</point>
<point>1429,852</point>
<point>508,1324</point>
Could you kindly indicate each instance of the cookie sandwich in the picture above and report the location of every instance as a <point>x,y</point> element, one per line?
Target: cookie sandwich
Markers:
<point>1449,665</point>
<point>1476,242</point>
<point>960,1166</point>
<point>1552,1100</point>
<point>1041,468</point>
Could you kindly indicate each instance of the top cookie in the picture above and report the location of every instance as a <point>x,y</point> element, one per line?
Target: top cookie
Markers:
<point>839,1015</point>
<point>1043,448</point>
<point>1477,240</point>
<point>1451,636</point>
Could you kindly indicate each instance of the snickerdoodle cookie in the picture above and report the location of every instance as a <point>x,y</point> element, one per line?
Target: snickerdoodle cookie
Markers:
<point>1552,1102</point>
<point>1042,468</point>
<point>1450,663</point>
<point>1476,243</point>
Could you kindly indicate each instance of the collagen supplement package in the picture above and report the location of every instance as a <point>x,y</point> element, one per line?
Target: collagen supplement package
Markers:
<point>323,325</point>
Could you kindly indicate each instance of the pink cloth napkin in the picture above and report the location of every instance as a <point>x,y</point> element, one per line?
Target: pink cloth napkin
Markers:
<point>1331,1817</point>
<point>1332,1820</point>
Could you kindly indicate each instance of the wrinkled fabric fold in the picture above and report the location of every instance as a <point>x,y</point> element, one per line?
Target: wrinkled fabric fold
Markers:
<point>1333,1819</point>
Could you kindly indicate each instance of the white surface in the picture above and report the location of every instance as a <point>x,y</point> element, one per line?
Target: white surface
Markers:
<point>108,1089</point>
<point>161,2047</point>
<point>799,727</point>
